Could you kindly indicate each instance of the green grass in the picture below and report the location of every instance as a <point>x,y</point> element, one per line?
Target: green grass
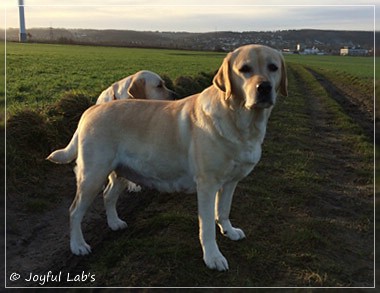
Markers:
<point>38,74</point>
<point>355,74</point>
<point>361,67</point>
<point>2,86</point>
<point>352,132</point>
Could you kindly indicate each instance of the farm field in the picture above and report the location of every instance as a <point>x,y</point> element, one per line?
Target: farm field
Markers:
<point>307,208</point>
<point>361,67</point>
<point>39,74</point>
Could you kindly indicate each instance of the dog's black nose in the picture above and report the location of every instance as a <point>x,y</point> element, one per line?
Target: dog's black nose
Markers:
<point>264,88</point>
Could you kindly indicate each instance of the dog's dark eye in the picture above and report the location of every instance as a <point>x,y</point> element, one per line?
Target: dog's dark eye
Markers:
<point>245,69</point>
<point>272,67</point>
<point>160,85</point>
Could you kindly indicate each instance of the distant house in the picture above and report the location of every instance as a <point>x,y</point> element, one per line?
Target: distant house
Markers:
<point>311,51</point>
<point>348,51</point>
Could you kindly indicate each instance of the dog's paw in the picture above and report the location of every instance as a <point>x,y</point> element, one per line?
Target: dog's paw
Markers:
<point>132,187</point>
<point>80,249</point>
<point>216,262</point>
<point>117,224</point>
<point>234,234</point>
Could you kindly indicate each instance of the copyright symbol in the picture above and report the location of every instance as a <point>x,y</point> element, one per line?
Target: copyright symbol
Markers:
<point>14,277</point>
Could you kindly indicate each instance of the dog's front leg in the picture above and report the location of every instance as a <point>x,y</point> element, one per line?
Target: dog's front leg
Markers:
<point>222,210</point>
<point>212,256</point>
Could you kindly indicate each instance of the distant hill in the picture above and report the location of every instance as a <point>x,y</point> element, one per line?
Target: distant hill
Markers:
<point>329,41</point>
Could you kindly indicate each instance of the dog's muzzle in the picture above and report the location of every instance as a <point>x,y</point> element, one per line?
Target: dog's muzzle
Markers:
<point>264,98</point>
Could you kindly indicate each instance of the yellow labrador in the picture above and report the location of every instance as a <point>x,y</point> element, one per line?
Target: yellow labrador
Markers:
<point>205,143</point>
<point>143,84</point>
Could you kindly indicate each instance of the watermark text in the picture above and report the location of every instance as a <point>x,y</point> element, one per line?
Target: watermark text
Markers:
<point>53,279</point>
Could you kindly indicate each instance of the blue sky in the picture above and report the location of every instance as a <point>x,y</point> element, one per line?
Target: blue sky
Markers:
<point>195,15</point>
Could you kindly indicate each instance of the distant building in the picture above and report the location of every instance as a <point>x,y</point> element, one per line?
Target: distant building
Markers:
<point>348,51</point>
<point>311,51</point>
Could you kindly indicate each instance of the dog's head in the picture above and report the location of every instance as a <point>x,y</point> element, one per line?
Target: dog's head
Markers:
<point>251,76</point>
<point>149,85</point>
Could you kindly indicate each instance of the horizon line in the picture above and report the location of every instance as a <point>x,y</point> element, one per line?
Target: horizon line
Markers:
<point>193,32</point>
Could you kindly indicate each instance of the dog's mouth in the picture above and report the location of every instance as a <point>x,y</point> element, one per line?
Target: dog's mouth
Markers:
<point>262,105</point>
<point>260,102</point>
<point>265,104</point>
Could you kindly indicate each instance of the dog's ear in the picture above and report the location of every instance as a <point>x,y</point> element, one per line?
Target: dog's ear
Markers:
<point>222,78</point>
<point>137,88</point>
<point>284,79</point>
<point>113,92</point>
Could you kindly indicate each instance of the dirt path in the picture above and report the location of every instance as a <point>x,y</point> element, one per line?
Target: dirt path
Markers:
<point>346,198</point>
<point>357,106</point>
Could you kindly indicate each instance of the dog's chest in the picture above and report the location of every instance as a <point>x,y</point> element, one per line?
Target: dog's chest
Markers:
<point>245,160</point>
<point>250,155</point>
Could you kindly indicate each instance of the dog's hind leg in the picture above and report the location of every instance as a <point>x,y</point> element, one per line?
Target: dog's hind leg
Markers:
<point>116,185</point>
<point>222,211</point>
<point>88,186</point>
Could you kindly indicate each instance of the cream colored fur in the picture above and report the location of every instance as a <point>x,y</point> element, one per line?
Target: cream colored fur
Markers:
<point>143,84</point>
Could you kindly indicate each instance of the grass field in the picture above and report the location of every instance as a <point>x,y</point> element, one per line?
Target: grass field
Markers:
<point>307,208</point>
<point>40,74</point>
<point>361,67</point>
<point>353,73</point>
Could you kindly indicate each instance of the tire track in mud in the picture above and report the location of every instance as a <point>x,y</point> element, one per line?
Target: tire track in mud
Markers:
<point>352,105</point>
<point>346,196</point>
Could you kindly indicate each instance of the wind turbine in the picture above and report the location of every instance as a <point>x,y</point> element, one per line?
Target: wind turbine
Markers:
<point>22,36</point>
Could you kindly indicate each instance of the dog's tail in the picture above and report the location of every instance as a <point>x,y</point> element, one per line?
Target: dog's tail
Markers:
<point>66,155</point>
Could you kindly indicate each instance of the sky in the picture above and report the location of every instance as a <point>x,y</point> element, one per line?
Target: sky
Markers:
<point>194,15</point>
